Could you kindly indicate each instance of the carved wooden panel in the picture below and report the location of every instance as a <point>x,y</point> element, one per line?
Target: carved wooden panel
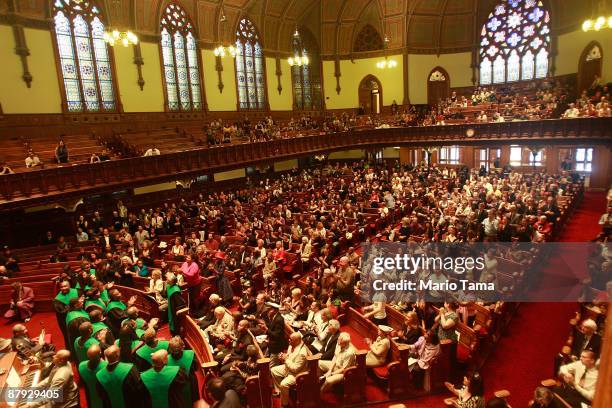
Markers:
<point>368,39</point>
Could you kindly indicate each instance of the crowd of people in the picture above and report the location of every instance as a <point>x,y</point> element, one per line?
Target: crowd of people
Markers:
<point>256,238</point>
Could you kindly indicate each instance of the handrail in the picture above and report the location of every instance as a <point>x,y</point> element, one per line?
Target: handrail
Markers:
<point>41,185</point>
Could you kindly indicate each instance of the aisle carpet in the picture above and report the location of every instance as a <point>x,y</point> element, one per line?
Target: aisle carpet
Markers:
<point>521,359</point>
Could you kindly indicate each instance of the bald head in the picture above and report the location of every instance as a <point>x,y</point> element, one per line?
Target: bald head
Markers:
<point>61,357</point>
<point>18,329</point>
<point>132,312</point>
<point>94,353</point>
<point>159,359</point>
<point>112,354</point>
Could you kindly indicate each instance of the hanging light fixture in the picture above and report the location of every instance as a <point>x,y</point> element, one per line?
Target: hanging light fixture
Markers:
<point>386,63</point>
<point>124,38</point>
<point>222,50</point>
<point>602,21</point>
<point>299,60</point>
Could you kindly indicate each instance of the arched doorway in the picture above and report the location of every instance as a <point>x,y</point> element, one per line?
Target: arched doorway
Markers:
<point>438,85</point>
<point>370,95</point>
<point>589,65</point>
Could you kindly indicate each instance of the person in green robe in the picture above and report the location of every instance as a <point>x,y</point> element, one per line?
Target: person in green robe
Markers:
<point>140,324</point>
<point>84,341</point>
<point>61,305</point>
<point>74,318</point>
<point>165,383</point>
<point>119,384</point>
<point>185,359</point>
<point>175,302</point>
<point>96,296</point>
<point>101,331</point>
<point>116,310</point>
<point>149,346</point>
<point>87,374</point>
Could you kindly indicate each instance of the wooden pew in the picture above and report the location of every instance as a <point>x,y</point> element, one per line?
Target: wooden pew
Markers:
<point>146,304</point>
<point>44,293</point>
<point>395,373</point>
<point>259,387</point>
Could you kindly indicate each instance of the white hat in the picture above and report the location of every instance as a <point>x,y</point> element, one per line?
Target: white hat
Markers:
<point>385,328</point>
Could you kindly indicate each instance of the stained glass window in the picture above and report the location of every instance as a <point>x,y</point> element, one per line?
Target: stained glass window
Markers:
<point>84,57</point>
<point>180,57</point>
<point>306,78</point>
<point>514,42</point>
<point>250,71</point>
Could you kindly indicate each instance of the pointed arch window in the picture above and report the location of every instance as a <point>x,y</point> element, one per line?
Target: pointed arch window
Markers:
<point>84,57</point>
<point>181,62</point>
<point>515,42</point>
<point>306,78</point>
<point>250,71</point>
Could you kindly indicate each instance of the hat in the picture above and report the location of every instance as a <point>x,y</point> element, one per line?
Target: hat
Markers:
<point>220,255</point>
<point>163,245</point>
<point>385,329</point>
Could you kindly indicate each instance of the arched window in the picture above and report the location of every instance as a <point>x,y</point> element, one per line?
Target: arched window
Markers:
<point>514,42</point>
<point>250,71</point>
<point>83,56</point>
<point>368,39</point>
<point>180,57</point>
<point>306,78</point>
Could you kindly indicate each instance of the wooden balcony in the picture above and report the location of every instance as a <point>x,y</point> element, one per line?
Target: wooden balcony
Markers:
<point>53,183</point>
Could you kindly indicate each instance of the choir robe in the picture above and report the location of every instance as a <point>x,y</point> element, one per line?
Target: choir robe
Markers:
<point>119,386</point>
<point>166,386</point>
<point>87,374</point>
<point>189,364</point>
<point>61,305</point>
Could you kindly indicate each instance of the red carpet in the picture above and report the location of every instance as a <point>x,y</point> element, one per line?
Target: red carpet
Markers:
<point>521,359</point>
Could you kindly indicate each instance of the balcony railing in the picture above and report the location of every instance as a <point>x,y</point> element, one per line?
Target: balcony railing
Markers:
<point>51,184</point>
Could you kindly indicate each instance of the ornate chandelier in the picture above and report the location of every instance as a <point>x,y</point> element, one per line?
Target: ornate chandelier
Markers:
<point>596,24</point>
<point>222,51</point>
<point>386,63</point>
<point>297,60</point>
<point>124,38</point>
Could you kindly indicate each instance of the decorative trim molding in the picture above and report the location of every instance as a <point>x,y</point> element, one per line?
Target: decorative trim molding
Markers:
<point>337,74</point>
<point>279,73</point>
<point>21,49</point>
<point>219,69</point>
<point>139,62</point>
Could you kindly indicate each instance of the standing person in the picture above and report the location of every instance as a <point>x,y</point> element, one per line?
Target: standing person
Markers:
<point>61,152</point>
<point>84,341</point>
<point>191,273</point>
<point>178,356</point>
<point>277,340</point>
<point>61,304</point>
<point>471,395</point>
<point>119,384</point>
<point>22,303</point>
<point>224,288</point>
<point>87,374</point>
<point>165,382</point>
<point>175,302</point>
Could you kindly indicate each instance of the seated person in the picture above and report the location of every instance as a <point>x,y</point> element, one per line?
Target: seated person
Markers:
<point>379,348</point>
<point>293,363</point>
<point>239,370</point>
<point>343,358</point>
<point>32,160</point>
<point>221,330</point>
<point>27,348</point>
<point>579,380</point>
<point>22,303</point>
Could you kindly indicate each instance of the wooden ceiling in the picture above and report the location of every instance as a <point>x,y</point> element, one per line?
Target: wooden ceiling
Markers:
<point>422,26</point>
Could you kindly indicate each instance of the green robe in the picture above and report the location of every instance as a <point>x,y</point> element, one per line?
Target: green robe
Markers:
<point>145,351</point>
<point>185,362</point>
<point>65,299</point>
<point>76,314</point>
<point>115,304</point>
<point>97,326</point>
<point>88,376</point>
<point>158,383</point>
<point>112,382</point>
<point>140,324</point>
<point>171,290</point>
<point>81,350</point>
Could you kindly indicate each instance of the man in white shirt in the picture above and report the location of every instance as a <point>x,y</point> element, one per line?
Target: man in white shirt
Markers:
<point>579,380</point>
<point>491,225</point>
<point>154,151</point>
<point>571,112</point>
<point>32,160</point>
<point>344,357</point>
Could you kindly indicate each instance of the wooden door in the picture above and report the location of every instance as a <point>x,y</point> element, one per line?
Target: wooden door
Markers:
<point>438,86</point>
